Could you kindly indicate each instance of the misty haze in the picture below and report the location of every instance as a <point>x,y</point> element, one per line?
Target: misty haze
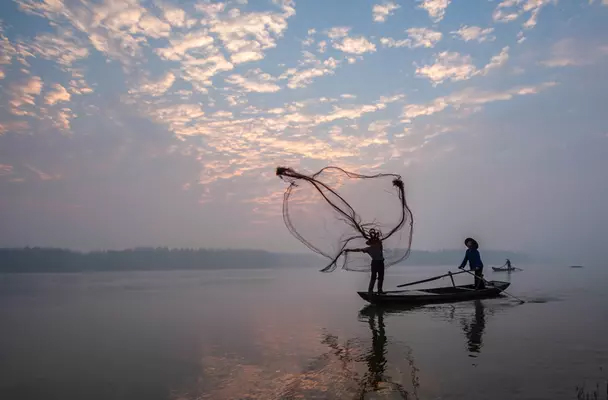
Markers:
<point>287,199</point>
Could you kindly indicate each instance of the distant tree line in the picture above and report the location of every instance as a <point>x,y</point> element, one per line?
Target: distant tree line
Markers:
<point>454,257</point>
<point>40,260</point>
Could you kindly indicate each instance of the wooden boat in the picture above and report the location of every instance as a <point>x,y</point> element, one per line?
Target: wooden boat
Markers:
<point>447,294</point>
<point>505,269</point>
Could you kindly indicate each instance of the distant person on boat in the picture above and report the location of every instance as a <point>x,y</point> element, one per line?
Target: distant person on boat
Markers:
<point>376,252</point>
<point>474,259</point>
<point>508,264</point>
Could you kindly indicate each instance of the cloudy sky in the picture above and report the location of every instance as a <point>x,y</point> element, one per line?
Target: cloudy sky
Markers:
<point>157,122</point>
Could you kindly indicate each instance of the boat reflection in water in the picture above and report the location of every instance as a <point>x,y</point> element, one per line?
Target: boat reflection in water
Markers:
<point>377,380</point>
<point>374,365</point>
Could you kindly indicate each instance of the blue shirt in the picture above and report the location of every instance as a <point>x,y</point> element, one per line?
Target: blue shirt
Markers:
<point>474,259</point>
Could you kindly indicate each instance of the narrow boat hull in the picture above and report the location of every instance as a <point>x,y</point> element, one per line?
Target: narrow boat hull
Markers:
<point>448,294</point>
<point>497,269</point>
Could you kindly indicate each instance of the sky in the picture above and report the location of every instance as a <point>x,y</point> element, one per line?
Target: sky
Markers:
<point>130,123</point>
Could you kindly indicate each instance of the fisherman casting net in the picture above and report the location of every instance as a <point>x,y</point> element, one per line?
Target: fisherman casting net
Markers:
<point>334,210</point>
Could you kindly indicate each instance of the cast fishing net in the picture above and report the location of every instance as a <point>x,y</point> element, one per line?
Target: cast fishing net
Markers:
<point>334,210</point>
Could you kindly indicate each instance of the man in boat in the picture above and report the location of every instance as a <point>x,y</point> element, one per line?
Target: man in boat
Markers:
<point>473,257</point>
<point>376,252</point>
<point>508,264</point>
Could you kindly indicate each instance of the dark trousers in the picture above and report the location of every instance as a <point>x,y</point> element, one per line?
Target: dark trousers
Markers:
<point>479,283</point>
<point>377,273</point>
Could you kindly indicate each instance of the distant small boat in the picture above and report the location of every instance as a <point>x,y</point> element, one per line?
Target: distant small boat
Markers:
<point>576,266</point>
<point>506,269</point>
<point>447,294</point>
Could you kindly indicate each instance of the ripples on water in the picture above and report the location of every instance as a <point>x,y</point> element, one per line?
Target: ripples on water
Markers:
<point>297,334</point>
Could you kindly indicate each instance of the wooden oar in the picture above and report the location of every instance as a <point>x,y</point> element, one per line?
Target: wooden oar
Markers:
<point>431,279</point>
<point>503,291</point>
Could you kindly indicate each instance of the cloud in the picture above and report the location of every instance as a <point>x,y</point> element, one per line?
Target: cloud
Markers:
<point>375,136</point>
<point>24,94</point>
<point>6,169</point>
<point>200,59</point>
<point>412,111</point>
<point>153,27</point>
<point>510,10</point>
<point>58,94</point>
<point>570,53</point>
<point>222,115</point>
<point>435,8</point>
<point>384,100</point>
<point>310,38</point>
<point>390,42</point>
<point>417,37</point>
<point>156,88</point>
<point>312,68</point>
<point>181,119</point>
<point>379,126</point>
<point>63,48</point>
<point>456,67</point>
<point>226,134</point>
<point>118,29</point>
<point>255,81</point>
<point>468,33</point>
<point>7,51</point>
<point>43,176</point>
<point>246,36</point>
<point>14,126</point>
<point>338,32</point>
<point>322,46</point>
<point>470,97</point>
<point>176,16</point>
<point>120,16</point>
<point>62,120</point>
<point>200,71</point>
<point>382,11</point>
<point>124,30</point>
<point>77,84</point>
<point>423,37</point>
<point>448,66</point>
<point>497,61</point>
<point>235,144</point>
<point>191,42</point>
<point>355,45</point>
<point>349,113</point>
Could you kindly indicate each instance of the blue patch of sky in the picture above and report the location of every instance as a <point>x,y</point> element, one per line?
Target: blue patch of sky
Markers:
<point>18,23</point>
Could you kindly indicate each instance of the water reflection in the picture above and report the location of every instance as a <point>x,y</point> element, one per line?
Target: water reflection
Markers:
<point>376,358</point>
<point>376,379</point>
<point>474,327</point>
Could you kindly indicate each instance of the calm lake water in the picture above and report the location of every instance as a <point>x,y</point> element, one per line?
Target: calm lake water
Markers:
<point>297,334</point>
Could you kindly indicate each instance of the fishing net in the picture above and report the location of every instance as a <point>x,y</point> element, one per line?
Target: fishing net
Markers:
<point>334,210</point>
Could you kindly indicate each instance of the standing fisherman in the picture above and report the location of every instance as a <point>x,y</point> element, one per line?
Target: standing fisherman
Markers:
<point>376,252</point>
<point>474,260</point>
